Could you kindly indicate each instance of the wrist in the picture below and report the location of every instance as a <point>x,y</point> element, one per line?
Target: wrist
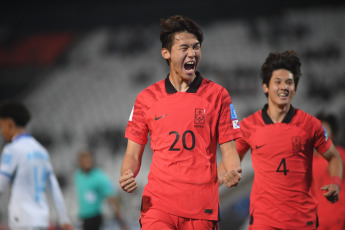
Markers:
<point>336,180</point>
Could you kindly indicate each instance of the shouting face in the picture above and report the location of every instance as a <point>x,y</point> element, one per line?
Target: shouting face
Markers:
<point>184,56</point>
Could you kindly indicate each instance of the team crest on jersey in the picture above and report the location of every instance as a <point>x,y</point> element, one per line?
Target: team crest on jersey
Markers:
<point>199,116</point>
<point>296,144</point>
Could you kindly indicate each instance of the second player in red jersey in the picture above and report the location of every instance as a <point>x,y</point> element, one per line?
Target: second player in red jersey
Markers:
<point>331,216</point>
<point>186,117</point>
<point>282,140</point>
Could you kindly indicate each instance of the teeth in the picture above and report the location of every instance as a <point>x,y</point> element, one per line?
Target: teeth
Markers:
<point>283,95</point>
<point>190,63</point>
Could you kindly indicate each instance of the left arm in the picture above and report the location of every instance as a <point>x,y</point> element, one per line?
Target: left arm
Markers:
<point>230,165</point>
<point>335,168</point>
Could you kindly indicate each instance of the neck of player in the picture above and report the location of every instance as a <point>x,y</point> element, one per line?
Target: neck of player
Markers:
<point>276,112</point>
<point>181,83</point>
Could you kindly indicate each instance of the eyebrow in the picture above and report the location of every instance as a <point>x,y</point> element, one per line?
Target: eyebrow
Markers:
<point>185,45</point>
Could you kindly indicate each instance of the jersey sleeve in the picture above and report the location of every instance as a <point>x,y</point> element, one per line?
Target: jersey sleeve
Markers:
<point>56,194</point>
<point>321,140</point>
<point>9,162</point>
<point>137,129</point>
<point>242,146</point>
<point>229,128</point>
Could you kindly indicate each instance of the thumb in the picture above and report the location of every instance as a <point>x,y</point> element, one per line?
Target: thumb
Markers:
<point>239,169</point>
<point>325,188</point>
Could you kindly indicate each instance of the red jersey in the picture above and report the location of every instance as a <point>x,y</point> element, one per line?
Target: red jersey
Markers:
<point>331,216</point>
<point>184,129</point>
<point>282,155</point>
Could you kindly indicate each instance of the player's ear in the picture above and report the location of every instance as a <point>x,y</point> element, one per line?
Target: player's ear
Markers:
<point>265,88</point>
<point>10,123</point>
<point>165,53</point>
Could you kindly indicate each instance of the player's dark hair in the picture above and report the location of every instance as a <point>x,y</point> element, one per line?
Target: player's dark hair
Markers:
<point>331,119</point>
<point>16,111</point>
<point>176,24</point>
<point>286,60</point>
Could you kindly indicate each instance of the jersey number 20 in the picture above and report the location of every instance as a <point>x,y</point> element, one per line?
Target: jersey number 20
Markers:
<point>172,147</point>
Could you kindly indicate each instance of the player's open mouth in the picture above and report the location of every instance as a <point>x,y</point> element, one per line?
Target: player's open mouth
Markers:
<point>189,66</point>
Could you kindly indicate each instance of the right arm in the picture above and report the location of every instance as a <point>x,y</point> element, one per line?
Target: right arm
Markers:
<point>225,177</point>
<point>7,169</point>
<point>56,194</point>
<point>131,166</point>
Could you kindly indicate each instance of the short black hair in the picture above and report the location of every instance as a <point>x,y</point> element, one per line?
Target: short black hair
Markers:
<point>176,24</point>
<point>288,60</point>
<point>331,119</point>
<point>16,111</point>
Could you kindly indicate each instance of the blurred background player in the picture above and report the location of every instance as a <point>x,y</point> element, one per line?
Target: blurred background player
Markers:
<point>282,140</point>
<point>93,186</point>
<point>186,116</point>
<point>331,216</point>
<point>26,165</point>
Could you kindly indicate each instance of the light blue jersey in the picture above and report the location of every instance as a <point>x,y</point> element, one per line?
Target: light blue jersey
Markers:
<point>26,163</point>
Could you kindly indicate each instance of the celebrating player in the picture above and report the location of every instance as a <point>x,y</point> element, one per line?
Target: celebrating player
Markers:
<point>282,140</point>
<point>26,164</point>
<point>186,115</point>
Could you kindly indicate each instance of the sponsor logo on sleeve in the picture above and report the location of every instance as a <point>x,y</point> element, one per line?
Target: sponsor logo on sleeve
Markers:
<point>233,112</point>
<point>326,134</point>
<point>6,159</point>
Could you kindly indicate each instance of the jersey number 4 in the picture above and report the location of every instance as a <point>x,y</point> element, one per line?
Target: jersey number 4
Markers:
<point>177,137</point>
<point>282,167</point>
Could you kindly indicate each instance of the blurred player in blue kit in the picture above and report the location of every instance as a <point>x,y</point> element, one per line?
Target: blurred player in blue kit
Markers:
<point>25,164</point>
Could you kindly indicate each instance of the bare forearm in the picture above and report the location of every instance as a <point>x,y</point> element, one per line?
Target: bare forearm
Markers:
<point>335,167</point>
<point>132,159</point>
<point>131,163</point>
<point>231,161</point>
<point>229,170</point>
<point>335,163</point>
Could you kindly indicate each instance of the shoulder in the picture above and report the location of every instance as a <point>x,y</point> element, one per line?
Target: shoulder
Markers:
<point>153,89</point>
<point>213,92</point>
<point>253,118</point>
<point>151,94</point>
<point>206,83</point>
<point>303,117</point>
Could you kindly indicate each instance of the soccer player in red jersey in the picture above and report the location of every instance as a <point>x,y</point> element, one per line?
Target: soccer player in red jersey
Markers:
<point>331,216</point>
<point>186,116</point>
<point>282,140</point>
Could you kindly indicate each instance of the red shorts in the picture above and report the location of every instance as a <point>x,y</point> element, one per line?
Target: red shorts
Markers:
<point>264,227</point>
<point>154,219</point>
